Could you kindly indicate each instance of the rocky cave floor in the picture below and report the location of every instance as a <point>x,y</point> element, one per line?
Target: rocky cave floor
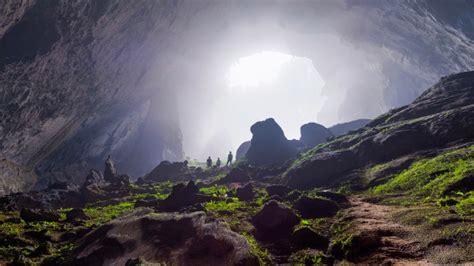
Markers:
<point>240,215</point>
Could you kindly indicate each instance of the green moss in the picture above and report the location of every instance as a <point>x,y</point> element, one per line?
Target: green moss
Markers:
<point>430,178</point>
<point>100,215</point>
<point>215,190</point>
<point>466,206</point>
<point>261,253</point>
<point>223,205</point>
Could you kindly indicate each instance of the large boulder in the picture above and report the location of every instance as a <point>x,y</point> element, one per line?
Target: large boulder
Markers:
<point>275,219</point>
<point>31,215</point>
<point>308,238</point>
<point>269,144</point>
<point>245,193</point>
<point>311,208</point>
<point>110,173</point>
<point>183,196</point>
<point>313,134</point>
<point>242,150</point>
<point>279,190</point>
<point>239,174</point>
<point>165,238</point>
<point>167,171</point>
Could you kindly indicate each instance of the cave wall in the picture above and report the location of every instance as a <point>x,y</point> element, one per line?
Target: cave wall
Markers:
<point>82,79</point>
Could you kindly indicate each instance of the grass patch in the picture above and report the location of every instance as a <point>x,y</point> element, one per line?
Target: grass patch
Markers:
<point>261,253</point>
<point>215,190</point>
<point>224,205</point>
<point>100,215</point>
<point>428,180</point>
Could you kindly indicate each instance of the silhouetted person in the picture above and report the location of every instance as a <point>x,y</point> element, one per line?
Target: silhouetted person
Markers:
<point>218,162</point>
<point>229,159</point>
<point>209,162</point>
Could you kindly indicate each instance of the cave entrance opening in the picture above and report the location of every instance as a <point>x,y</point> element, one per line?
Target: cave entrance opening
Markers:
<point>261,85</point>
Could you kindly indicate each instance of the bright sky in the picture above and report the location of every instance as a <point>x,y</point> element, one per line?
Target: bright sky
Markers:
<point>262,85</point>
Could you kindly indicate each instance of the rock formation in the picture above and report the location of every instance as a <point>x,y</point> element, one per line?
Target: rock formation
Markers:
<point>242,150</point>
<point>442,115</point>
<point>185,239</point>
<point>313,134</point>
<point>269,144</point>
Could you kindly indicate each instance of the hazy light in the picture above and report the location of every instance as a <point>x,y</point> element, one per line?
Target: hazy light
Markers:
<point>257,69</point>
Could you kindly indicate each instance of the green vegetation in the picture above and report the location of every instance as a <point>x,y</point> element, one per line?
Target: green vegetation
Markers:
<point>216,191</point>
<point>228,206</point>
<point>100,215</point>
<point>261,253</point>
<point>434,180</point>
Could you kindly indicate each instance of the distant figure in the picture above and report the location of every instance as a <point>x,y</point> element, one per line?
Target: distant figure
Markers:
<point>218,162</point>
<point>209,162</point>
<point>229,159</point>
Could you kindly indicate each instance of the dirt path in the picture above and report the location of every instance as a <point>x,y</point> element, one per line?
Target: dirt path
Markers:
<point>386,242</point>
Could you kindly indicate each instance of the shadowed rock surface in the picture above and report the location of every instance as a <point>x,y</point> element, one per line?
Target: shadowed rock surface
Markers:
<point>269,144</point>
<point>184,239</point>
<point>313,134</point>
<point>344,128</point>
<point>242,150</point>
<point>439,117</point>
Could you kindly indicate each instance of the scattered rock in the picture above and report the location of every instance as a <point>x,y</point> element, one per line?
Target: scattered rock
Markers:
<point>167,171</point>
<point>279,190</point>
<point>30,215</point>
<point>269,144</point>
<point>76,215</point>
<point>311,208</point>
<point>182,196</point>
<point>245,193</point>
<point>313,134</point>
<point>306,237</point>
<point>236,175</point>
<point>168,238</point>
<point>110,173</point>
<point>464,184</point>
<point>275,219</point>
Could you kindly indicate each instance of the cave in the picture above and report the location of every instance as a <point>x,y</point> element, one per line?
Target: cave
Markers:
<point>140,74</point>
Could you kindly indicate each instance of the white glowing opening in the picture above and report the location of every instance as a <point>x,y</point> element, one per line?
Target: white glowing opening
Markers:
<point>257,69</point>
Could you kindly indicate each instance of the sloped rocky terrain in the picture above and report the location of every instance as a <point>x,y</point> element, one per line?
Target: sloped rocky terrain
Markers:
<point>81,80</point>
<point>399,190</point>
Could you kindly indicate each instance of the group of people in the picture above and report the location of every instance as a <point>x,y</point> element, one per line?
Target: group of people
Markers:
<point>230,157</point>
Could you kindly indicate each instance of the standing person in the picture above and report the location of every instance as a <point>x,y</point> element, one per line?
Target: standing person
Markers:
<point>229,159</point>
<point>218,162</point>
<point>209,162</point>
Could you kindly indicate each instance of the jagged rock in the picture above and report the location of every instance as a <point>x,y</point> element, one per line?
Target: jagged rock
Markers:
<point>269,144</point>
<point>275,219</point>
<point>110,173</point>
<point>168,238</point>
<point>236,175</point>
<point>94,176</point>
<point>313,134</point>
<point>62,186</point>
<point>311,208</point>
<point>75,215</point>
<point>306,237</point>
<point>279,190</point>
<point>245,193</point>
<point>29,215</point>
<point>167,171</point>
<point>242,150</point>
<point>344,128</point>
<point>182,196</point>
<point>334,196</point>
